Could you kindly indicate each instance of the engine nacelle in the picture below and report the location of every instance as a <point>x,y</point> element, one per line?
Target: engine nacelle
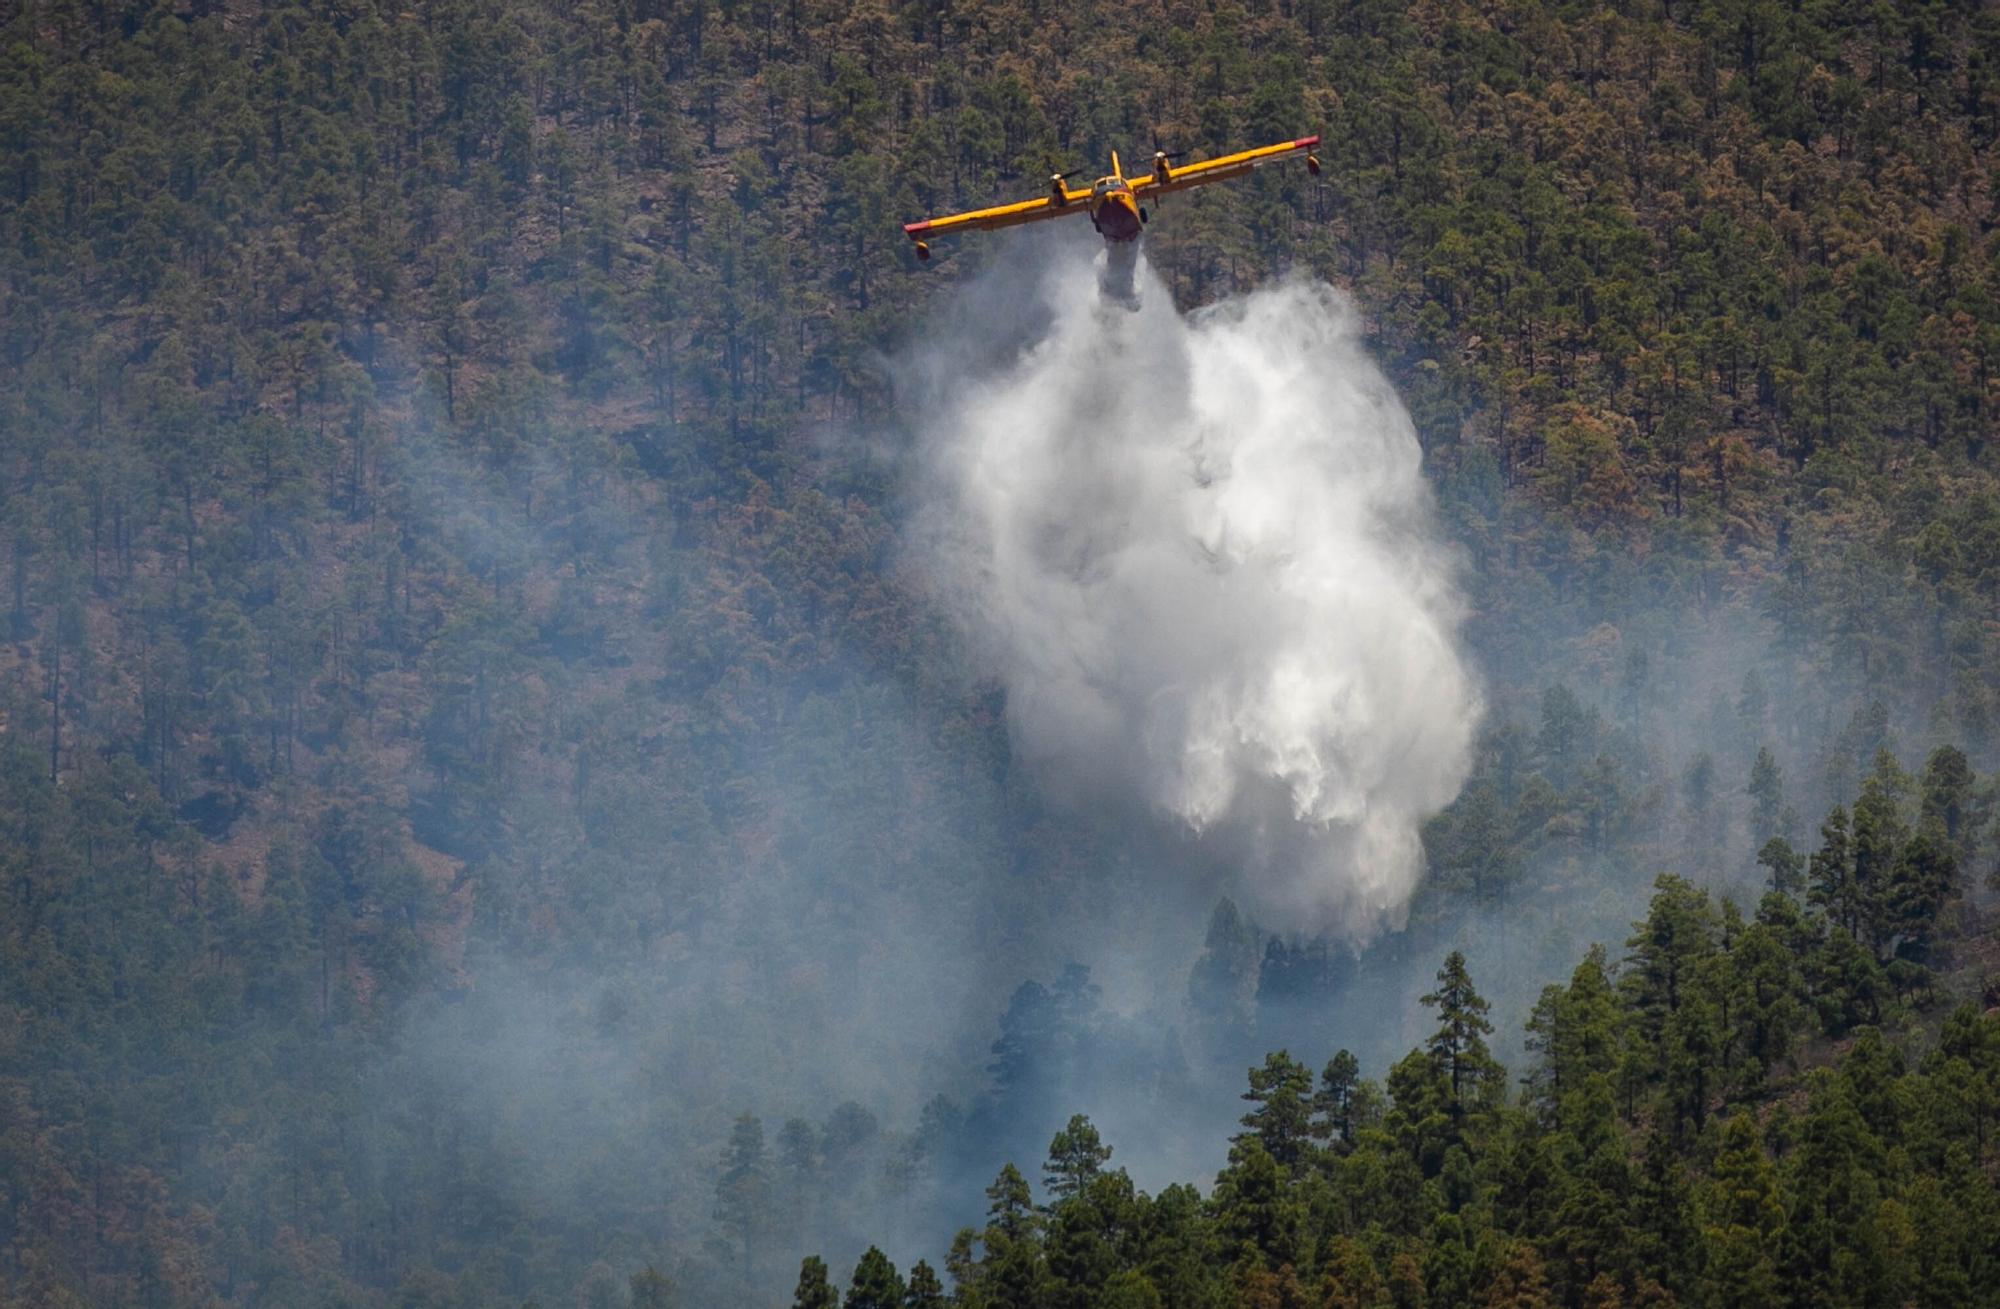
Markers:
<point>1058,193</point>
<point>1162,169</point>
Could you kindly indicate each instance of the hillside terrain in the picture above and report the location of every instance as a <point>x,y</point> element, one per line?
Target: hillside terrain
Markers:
<point>465,711</point>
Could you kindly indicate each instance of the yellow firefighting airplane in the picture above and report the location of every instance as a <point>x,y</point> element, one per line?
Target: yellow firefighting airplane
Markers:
<point>1113,201</point>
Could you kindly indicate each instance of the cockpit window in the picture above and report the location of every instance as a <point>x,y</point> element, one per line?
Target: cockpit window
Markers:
<point>1103,184</point>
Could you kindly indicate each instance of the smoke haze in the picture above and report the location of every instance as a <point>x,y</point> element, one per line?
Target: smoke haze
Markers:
<point>1198,552</point>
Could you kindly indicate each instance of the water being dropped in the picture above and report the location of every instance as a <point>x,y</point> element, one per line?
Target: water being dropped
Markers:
<point>1198,552</point>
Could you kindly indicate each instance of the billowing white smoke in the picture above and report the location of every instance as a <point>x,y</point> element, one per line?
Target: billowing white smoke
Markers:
<point>1198,553</point>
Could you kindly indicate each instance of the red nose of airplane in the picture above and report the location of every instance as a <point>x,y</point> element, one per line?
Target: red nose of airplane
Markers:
<point>1117,217</point>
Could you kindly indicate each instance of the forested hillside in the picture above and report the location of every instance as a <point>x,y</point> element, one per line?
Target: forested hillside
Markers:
<point>1655,1152</point>
<point>470,752</point>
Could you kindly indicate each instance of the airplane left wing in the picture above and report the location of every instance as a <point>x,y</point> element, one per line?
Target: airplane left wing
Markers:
<point>986,220</point>
<point>1164,179</point>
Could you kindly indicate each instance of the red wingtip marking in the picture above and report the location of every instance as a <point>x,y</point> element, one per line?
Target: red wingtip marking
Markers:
<point>911,229</point>
<point>1307,141</point>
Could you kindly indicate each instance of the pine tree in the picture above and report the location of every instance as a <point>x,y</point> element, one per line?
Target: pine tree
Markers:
<point>1663,1242</point>
<point>1010,1207</point>
<point>1922,881</point>
<point>1282,1120</point>
<point>1350,1279</point>
<point>1547,1035</point>
<point>742,1196</point>
<point>1128,1289</point>
<point>1949,795</point>
<point>1076,1155</point>
<point>1013,1274</point>
<point>1742,1220</point>
<point>1225,977</point>
<point>814,1291</point>
<point>1834,1200</point>
<point>1521,1282</point>
<point>1830,874</point>
<point>1574,1031</point>
<point>1879,834</point>
<point>1334,1103</point>
<point>1406,1282</point>
<point>1668,948</point>
<point>1448,1263</point>
<point>1770,1005</point>
<point>1848,984</point>
<point>924,1290</point>
<point>1692,1062</point>
<point>875,1284</point>
<point>1968,1056</point>
<point>1255,1208</point>
<point>1458,1047</point>
<point>1784,866</point>
<point>1872,1074</point>
<point>1028,1052</point>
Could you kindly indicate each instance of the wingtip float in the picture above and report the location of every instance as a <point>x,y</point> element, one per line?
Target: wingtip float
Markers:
<point>1114,201</point>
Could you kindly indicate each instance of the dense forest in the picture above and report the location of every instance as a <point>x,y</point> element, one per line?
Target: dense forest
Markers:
<point>1663,1146</point>
<point>473,752</point>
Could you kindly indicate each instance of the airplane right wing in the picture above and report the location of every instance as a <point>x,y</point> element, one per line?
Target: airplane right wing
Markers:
<point>987,220</point>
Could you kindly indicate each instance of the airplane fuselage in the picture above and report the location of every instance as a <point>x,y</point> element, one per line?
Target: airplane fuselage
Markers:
<point>1114,210</point>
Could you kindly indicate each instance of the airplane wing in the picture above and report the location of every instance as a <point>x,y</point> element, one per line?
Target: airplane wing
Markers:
<point>986,220</point>
<point>1163,180</point>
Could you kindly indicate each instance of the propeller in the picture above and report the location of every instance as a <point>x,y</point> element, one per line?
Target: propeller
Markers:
<point>1056,183</point>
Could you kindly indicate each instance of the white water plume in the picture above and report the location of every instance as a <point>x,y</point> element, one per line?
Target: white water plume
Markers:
<point>1198,553</point>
